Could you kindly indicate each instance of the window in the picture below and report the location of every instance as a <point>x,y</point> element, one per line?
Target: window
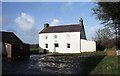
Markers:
<point>46,45</point>
<point>56,45</point>
<point>46,37</point>
<point>68,45</point>
<point>55,36</point>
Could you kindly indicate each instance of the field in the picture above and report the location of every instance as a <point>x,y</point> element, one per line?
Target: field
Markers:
<point>108,65</point>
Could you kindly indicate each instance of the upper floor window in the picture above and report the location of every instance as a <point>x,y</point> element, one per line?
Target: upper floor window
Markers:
<point>46,45</point>
<point>68,45</point>
<point>46,37</point>
<point>55,36</point>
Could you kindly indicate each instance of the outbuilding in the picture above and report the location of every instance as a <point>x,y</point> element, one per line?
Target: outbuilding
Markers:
<point>12,46</point>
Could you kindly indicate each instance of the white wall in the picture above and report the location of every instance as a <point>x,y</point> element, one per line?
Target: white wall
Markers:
<point>118,52</point>
<point>62,39</point>
<point>87,46</point>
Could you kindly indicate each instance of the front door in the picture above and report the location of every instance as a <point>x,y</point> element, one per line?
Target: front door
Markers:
<point>56,45</point>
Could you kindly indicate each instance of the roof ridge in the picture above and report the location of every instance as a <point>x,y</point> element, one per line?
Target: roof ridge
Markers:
<point>64,25</point>
<point>5,32</point>
<point>62,28</point>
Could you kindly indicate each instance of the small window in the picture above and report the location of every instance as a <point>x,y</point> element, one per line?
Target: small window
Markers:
<point>46,45</point>
<point>56,45</point>
<point>68,45</point>
<point>55,36</point>
<point>46,37</point>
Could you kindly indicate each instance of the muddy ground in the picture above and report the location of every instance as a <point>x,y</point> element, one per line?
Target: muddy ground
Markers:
<point>51,65</point>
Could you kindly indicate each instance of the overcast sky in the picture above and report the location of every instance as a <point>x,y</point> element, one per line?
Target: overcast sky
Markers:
<point>26,19</point>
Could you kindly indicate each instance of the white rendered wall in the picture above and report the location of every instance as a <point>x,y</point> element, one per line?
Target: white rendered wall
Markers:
<point>62,40</point>
<point>88,46</point>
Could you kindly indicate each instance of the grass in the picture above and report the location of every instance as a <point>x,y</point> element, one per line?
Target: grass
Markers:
<point>77,57</point>
<point>34,49</point>
<point>79,54</point>
<point>108,65</point>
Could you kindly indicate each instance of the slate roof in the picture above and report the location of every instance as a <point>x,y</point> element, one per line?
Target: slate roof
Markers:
<point>9,37</point>
<point>62,28</point>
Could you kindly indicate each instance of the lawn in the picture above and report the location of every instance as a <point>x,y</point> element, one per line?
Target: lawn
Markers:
<point>108,65</point>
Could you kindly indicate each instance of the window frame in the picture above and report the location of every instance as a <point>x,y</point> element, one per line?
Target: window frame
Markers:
<point>46,45</point>
<point>56,44</point>
<point>68,45</point>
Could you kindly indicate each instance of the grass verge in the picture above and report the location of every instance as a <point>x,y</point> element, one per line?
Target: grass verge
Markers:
<point>108,65</point>
<point>79,54</point>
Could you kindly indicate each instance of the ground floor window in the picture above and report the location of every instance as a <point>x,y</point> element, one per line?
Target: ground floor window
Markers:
<point>56,45</point>
<point>68,45</point>
<point>46,45</point>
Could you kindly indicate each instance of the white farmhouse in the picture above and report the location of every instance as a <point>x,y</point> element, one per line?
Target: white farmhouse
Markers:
<point>65,39</point>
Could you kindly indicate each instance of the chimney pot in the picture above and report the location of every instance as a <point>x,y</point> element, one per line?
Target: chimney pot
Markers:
<point>46,25</point>
<point>81,20</point>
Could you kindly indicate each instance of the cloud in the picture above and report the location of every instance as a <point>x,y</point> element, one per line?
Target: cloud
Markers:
<point>23,26</point>
<point>26,28</point>
<point>55,22</point>
<point>25,22</point>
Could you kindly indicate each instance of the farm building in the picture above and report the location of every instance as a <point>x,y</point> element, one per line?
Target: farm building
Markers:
<point>65,39</point>
<point>12,46</point>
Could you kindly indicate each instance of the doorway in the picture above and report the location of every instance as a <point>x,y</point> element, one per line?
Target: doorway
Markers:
<point>56,45</point>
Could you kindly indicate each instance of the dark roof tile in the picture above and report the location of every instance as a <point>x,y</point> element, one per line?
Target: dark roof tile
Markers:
<point>62,28</point>
<point>9,37</point>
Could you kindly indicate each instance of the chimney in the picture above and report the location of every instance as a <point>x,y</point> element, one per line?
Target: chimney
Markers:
<point>46,25</point>
<point>81,21</point>
<point>83,36</point>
